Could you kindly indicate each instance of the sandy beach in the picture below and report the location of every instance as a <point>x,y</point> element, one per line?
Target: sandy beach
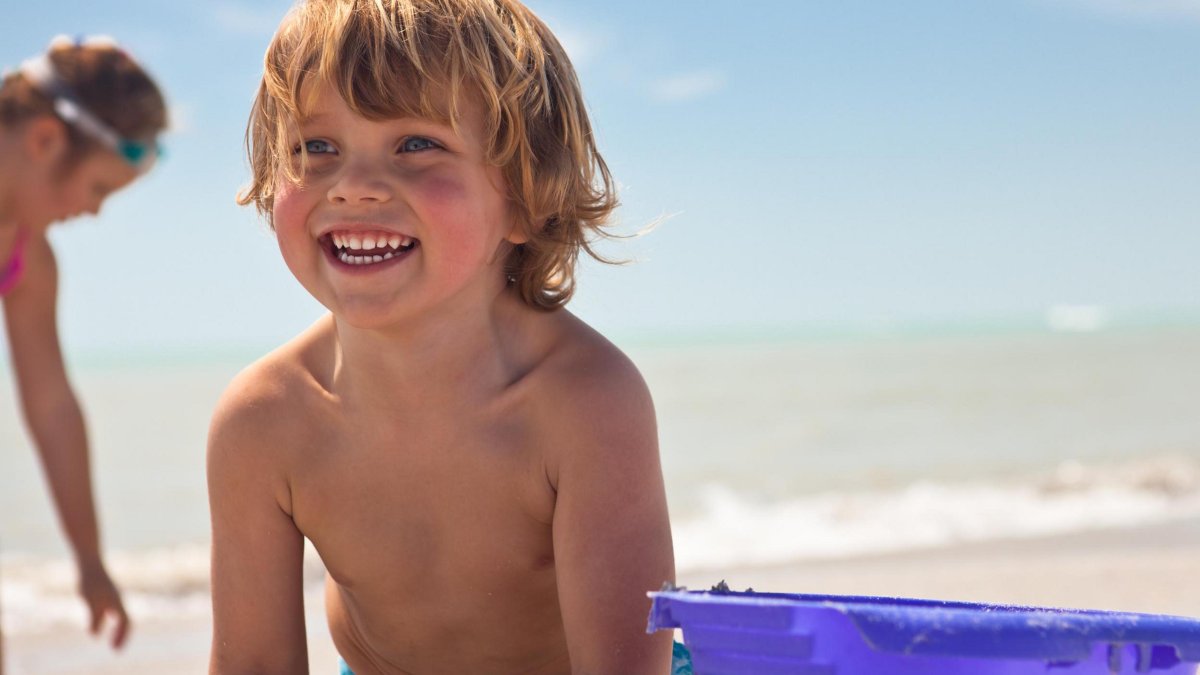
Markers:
<point>1138,570</point>
<point>1144,570</point>
<point>175,647</point>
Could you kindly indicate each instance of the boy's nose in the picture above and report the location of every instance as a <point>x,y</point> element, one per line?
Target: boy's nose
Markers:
<point>357,185</point>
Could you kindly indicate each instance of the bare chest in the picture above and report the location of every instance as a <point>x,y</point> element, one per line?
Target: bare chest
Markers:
<point>399,507</point>
<point>437,539</point>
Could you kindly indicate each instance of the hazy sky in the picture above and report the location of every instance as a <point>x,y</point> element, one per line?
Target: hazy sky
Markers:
<point>821,162</point>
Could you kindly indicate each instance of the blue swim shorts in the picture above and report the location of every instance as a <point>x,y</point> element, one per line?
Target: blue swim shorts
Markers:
<point>681,662</point>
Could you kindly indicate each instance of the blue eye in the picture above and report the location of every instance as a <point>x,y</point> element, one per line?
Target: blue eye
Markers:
<point>315,147</point>
<point>416,144</point>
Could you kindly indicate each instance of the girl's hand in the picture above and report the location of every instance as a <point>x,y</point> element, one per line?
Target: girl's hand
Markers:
<point>103,600</point>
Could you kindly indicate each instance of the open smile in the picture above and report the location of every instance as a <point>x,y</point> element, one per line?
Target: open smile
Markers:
<point>358,249</point>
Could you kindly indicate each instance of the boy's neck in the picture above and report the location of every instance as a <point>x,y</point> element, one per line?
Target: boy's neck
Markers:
<point>455,356</point>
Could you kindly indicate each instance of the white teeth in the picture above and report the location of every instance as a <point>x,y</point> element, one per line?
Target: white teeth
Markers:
<point>375,246</point>
<point>364,259</point>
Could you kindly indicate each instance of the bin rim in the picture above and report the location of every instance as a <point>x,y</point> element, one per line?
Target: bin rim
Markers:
<point>949,627</point>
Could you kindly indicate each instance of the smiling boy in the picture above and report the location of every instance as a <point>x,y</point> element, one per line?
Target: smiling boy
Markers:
<point>477,468</point>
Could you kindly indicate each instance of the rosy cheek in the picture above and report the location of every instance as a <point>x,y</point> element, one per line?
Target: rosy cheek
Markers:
<point>288,206</point>
<point>446,201</point>
<point>441,193</point>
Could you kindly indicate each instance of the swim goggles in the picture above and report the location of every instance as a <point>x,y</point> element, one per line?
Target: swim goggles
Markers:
<point>40,72</point>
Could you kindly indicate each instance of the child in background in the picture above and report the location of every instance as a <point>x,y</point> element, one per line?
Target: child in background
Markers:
<point>477,468</point>
<point>77,124</point>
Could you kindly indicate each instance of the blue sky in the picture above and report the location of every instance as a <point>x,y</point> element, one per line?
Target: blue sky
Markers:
<point>819,163</point>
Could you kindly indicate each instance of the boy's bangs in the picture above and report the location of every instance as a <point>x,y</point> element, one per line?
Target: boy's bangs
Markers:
<point>388,86</point>
<point>385,61</point>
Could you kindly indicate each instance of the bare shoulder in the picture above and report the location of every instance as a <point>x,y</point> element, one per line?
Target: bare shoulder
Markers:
<point>268,407</point>
<point>38,286</point>
<point>271,389</point>
<point>588,376</point>
<point>593,398</point>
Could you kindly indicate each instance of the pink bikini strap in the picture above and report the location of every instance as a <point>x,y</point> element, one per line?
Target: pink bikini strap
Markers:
<point>11,273</point>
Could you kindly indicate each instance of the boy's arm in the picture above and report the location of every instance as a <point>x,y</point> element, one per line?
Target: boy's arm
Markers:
<point>55,422</point>
<point>257,555</point>
<point>612,536</point>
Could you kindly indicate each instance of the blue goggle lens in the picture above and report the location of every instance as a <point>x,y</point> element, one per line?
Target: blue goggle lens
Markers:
<point>137,153</point>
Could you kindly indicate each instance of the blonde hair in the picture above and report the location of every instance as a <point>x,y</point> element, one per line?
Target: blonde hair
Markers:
<point>100,76</point>
<point>419,58</point>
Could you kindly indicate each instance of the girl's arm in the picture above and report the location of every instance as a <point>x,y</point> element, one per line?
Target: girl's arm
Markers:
<point>55,422</point>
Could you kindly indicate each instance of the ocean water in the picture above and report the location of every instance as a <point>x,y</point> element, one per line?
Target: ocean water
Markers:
<point>773,451</point>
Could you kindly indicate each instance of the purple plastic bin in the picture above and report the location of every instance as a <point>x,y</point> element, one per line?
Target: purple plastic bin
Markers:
<point>771,633</point>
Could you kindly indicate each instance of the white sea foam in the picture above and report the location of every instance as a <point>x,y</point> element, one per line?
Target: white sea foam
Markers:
<point>1076,318</point>
<point>39,593</point>
<point>735,530</point>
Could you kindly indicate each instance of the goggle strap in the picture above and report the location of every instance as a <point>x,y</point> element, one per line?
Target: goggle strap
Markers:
<point>81,118</point>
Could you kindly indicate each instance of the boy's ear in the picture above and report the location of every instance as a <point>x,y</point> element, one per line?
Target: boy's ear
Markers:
<point>45,140</point>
